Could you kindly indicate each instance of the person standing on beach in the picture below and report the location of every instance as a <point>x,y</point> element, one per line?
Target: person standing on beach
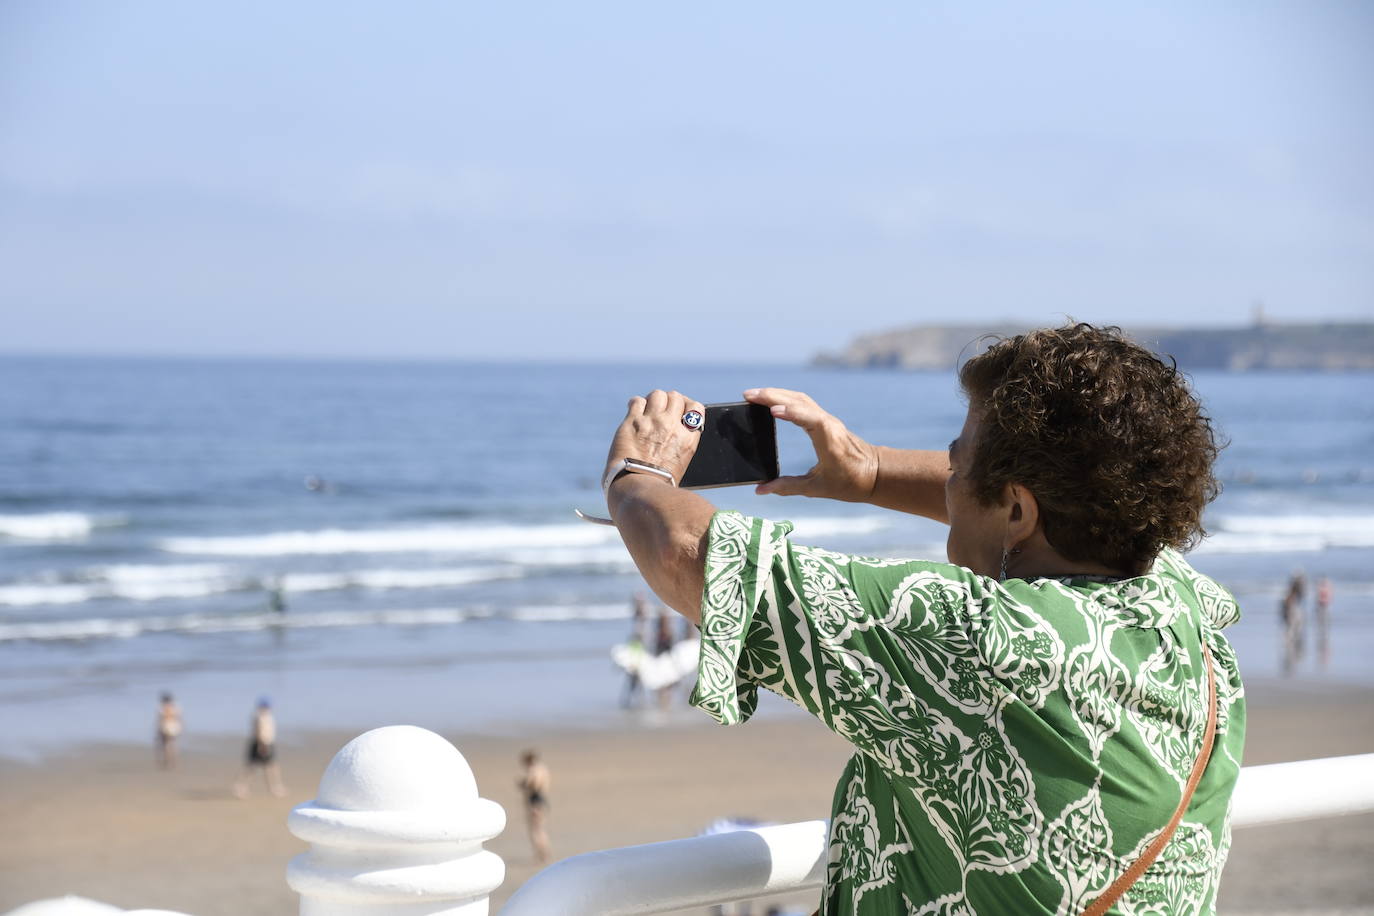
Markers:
<point>168,729</point>
<point>534,783</point>
<point>664,640</point>
<point>1322,611</point>
<point>634,688</point>
<point>262,753</point>
<point>1291,618</point>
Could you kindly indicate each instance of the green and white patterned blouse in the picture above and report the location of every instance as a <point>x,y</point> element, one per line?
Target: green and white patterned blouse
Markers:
<point>1019,743</point>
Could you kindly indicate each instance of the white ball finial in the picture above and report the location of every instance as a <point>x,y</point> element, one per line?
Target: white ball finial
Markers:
<point>399,768</point>
<point>397,828</point>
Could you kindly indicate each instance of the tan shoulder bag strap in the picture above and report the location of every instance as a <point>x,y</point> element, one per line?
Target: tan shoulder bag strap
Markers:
<point>1104,903</point>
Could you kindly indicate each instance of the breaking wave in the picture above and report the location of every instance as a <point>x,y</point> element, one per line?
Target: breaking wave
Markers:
<point>472,539</point>
<point>54,526</point>
<point>1287,533</point>
<point>130,627</point>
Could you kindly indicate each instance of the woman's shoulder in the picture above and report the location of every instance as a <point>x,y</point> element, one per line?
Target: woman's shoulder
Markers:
<point>1218,606</point>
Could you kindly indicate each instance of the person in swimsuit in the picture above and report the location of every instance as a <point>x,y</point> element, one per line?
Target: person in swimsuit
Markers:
<point>262,753</point>
<point>534,783</point>
<point>168,728</point>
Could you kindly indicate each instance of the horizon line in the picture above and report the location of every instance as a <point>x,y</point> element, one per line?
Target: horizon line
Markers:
<point>188,356</point>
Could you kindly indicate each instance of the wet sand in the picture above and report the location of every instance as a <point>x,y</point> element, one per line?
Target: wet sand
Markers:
<point>104,823</point>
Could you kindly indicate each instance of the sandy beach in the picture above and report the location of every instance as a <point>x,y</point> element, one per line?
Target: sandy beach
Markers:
<point>103,823</point>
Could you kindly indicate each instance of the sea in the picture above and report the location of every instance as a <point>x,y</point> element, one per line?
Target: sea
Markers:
<point>370,543</point>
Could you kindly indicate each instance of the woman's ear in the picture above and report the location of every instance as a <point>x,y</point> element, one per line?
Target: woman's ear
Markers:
<point>1023,514</point>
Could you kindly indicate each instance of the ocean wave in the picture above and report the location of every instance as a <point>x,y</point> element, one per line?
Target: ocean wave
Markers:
<point>463,538</point>
<point>430,539</point>
<point>54,526</point>
<point>613,557</point>
<point>821,526</point>
<point>153,583</point>
<point>131,627</point>
<point>75,593</point>
<point>562,612</point>
<point>154,573</point>
<point>133,582</point>
<point>1287,533</point>
<point>382,579</point>
<point>60,593</point>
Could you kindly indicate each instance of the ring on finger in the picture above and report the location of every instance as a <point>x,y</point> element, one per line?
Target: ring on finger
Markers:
<point>693,419</point>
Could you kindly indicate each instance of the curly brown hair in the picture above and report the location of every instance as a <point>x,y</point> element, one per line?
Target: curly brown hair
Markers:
<point>1109,437</point>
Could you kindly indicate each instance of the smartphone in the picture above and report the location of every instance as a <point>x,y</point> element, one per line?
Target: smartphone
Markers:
<point>739,445</point>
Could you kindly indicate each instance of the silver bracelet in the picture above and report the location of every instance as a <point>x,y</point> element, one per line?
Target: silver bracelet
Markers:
<point>634,466</point>
<point>625,466</point>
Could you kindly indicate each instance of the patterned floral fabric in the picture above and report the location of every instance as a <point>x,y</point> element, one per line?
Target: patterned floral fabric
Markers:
<point>1018,743</point>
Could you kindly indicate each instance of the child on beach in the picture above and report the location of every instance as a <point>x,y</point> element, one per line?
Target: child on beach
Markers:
<point>262,752</point>
<point>168,728</point>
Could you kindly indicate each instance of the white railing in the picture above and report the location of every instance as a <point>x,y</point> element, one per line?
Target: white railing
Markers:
<point>398,829</point>
<point>662,877</point>
<point>1302,789</point>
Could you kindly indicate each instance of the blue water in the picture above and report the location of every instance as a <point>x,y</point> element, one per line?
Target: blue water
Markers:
<point>149,507</point>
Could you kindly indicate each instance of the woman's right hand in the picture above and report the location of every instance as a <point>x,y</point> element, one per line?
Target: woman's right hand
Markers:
<point>846,466</point>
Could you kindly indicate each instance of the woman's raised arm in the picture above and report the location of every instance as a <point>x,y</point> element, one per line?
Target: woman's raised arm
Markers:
<point>848,468</point>
<point>664,528</point>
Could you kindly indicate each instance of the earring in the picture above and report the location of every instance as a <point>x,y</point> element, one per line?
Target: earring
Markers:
<point>1005,554</point>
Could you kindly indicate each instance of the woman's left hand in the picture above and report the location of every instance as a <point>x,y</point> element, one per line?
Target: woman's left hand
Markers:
<point>653,431</point>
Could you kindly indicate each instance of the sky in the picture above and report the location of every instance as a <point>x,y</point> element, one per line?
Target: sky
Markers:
<point>689,182</point>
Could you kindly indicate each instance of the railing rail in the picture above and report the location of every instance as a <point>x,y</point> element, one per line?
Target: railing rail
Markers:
<point>1303,789</point>
<point>662,877</point>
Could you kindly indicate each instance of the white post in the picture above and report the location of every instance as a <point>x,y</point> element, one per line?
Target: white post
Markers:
<point>397,829</point>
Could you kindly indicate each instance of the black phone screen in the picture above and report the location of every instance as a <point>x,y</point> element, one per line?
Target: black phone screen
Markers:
<point>739,444</point>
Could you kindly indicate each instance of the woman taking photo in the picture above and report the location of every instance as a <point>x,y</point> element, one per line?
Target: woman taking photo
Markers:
<point>1049,722</point>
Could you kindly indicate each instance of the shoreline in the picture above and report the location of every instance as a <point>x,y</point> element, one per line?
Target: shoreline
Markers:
<point>594,711</point>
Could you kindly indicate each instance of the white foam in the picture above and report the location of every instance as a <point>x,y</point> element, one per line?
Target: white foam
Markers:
<point>1287,533</point>
<point>53,526</point>
<point>612,556</point>
<point>70,593</point>
<point>198,580</point>
<point>398,578</point>
<point>561,612</point>
<point>74,593</point>
<point>130,627</point>
<point>132,582</point>
<point>820,526</point>
<point>152,574</point>
<point>432,539</point>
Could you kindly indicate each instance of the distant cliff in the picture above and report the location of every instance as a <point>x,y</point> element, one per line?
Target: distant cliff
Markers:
<point>1329,347</point>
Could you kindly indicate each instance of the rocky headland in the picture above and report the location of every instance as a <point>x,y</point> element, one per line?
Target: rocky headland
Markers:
<point>1324,347</point>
